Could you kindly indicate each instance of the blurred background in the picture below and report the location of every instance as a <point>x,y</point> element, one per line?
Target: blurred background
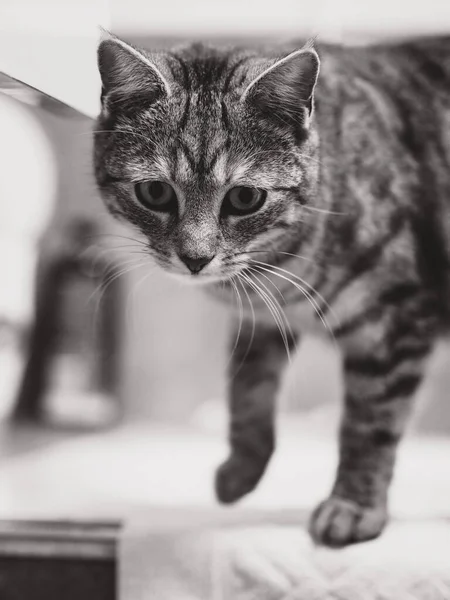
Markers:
<point>146,349</point>
<point>169,361</point>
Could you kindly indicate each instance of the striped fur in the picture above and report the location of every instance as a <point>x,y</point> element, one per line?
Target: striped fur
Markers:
<point>356,222</point>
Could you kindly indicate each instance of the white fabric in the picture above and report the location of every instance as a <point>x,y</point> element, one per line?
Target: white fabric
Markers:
<point>260,550</point>
<point>210,559</point>
<point>263,552</point>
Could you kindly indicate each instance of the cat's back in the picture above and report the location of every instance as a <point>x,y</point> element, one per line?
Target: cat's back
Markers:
<point>409,82</point>
<point>389,105</point>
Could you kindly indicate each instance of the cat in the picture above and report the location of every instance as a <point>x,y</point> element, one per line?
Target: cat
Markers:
<point>290,174</point>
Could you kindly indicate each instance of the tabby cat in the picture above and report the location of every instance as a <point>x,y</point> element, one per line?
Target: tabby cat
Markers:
<point>249,173</point>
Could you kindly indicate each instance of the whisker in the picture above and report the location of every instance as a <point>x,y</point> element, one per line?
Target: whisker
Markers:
<point>291,333</point>
<point>298,286</point>
<point>130,250</point>
<point>273,307</point>
<point>253,327</point>
<point>114,273</point>
<point>241,318</point>
<point>324,211</point>
<point>115,235</point>
<point>267,298</point>
<point>131,300</point>
<point>273,252</point>
<point>313,159</point>
<point>308,285</point>
<point>280,309</point>
<point>310,299</point>
<point>104,249</point>
<point>100,253</point>
<point>100,246</point>
<point>104,285</point>
<point>97,131</point>
<point>108,280</point>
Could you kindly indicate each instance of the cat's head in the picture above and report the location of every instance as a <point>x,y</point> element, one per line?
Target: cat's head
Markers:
<point>208,152</point>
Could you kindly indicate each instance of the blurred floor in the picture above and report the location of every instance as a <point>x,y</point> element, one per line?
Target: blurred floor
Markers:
<point>145,465</point>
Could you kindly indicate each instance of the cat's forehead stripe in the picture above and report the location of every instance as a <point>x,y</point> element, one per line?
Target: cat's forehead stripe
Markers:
<point>183,170</point>
<point>196,157</point>
<point>220,168</point>
<point>213,167</point>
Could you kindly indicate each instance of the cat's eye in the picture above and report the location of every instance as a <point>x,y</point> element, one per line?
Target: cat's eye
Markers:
<point>243,200</point>
<point>156,195</point>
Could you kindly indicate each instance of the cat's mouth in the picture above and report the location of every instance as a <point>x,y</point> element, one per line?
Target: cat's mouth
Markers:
<point>201,278</point>
<point>210,275</point>
<point>193,272</point>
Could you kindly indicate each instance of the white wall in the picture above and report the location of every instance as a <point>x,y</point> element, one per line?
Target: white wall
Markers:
<point>330,19</point>
<point>51,45</point>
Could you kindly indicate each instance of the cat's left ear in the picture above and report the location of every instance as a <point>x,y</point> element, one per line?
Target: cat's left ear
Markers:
<point>286,87</point>
<point>129,75</point>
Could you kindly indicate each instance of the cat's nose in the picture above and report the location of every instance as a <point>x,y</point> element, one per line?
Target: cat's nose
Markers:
<point>195,265</point>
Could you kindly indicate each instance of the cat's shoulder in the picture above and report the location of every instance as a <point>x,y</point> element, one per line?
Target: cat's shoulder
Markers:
<point>427,57</point>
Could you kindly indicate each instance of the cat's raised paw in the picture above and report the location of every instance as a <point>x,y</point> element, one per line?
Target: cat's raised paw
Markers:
<point>337,522</point>
<point>235,478</point>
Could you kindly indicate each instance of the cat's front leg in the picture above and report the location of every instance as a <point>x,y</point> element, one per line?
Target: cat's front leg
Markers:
<point>256,368</point>
<point>384,361</point>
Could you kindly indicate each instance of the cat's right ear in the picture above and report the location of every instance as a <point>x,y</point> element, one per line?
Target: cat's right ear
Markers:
<point>285,88</point>
<point>129,77</point>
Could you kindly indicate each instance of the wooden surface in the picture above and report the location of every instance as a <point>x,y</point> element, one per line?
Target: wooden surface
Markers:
<point>45,560</point>
<point>59,539</point>
<point>48,559</point>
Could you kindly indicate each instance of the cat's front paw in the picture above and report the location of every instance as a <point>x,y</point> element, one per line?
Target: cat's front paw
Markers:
<point>337,522</point>
<point>236,477</point>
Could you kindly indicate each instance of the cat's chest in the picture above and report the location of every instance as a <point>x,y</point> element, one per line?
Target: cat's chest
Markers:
<point>300,308</point>
<point>267,307</point>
